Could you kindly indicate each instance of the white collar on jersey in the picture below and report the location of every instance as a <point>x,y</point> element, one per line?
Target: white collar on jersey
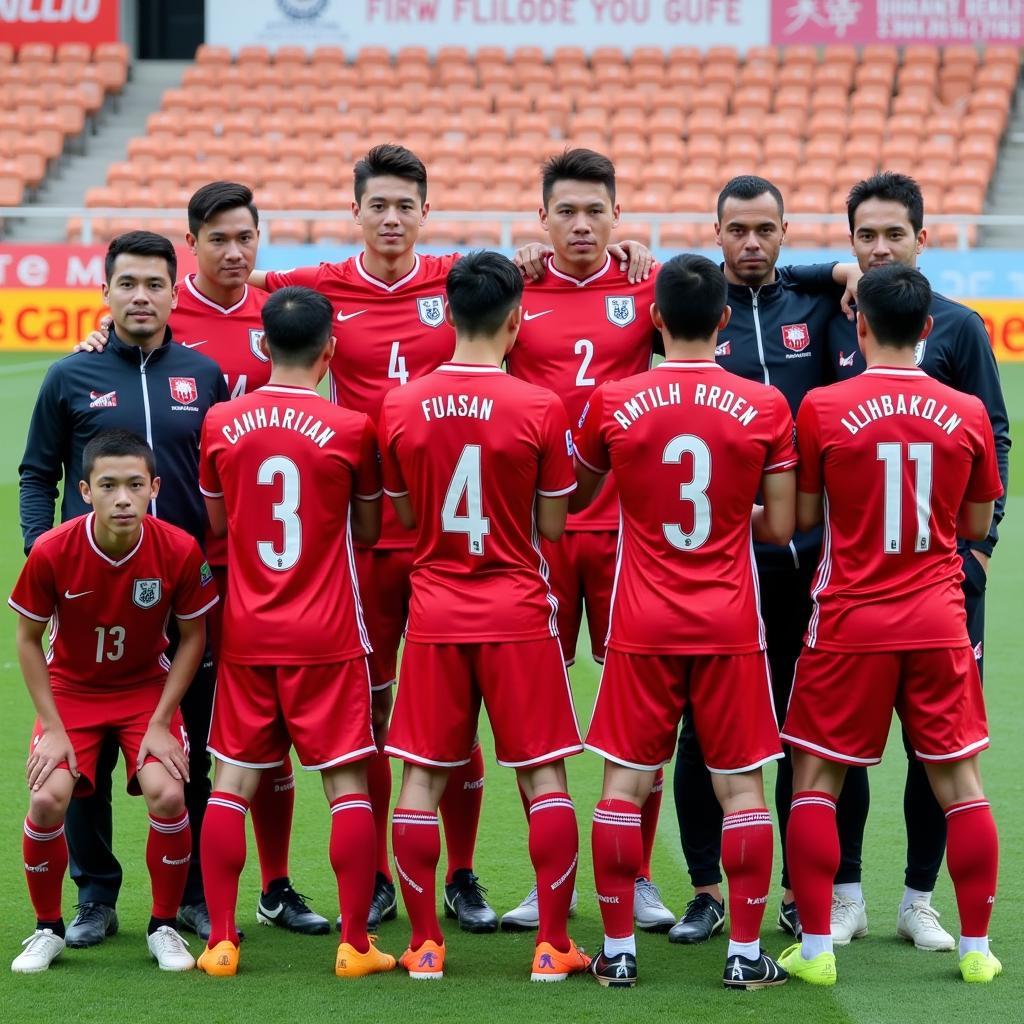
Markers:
<point>468,368</point>
<point>288,389</point>
<point>383,285</point>
<point>552,269</point>
<point>89,524</point>
<point>689,364</point>
<point>898,371</point>
<point>190,285</point>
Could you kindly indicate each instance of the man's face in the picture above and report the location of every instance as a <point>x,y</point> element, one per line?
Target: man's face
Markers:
<point>120,489</point>
<point>140,295</point>
<point>579,217</point>
<point>391,215</point>
<point>750,233</point>
<point>225,247</point>
<point>882,233</point>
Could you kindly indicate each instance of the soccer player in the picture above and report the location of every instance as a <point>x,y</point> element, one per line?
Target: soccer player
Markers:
<point>886,214</point>
<point>898,465</point>
<point>482,464</point>
<point>293,480</point>
<point>110,579</point>
<point>690,446</point>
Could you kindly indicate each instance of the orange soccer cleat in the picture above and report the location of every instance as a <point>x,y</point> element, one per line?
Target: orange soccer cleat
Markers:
<point>551,965</point>
<point>350,963</point>
<point>220,961</point>
<point>425,963</point>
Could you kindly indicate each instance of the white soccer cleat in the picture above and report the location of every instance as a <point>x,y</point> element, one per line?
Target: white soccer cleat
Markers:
<point>170,950</point>
<point>849,919</point>
<point>42,947</point>
<point>526,916</point>
<point>919,924</point>
<point>650,914</point>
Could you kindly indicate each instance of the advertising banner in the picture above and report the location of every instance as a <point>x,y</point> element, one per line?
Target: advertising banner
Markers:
<point>59,21</point>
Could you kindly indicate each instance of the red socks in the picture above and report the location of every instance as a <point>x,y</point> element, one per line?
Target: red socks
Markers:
<point>45,856</point>
<point>273,807</point>
<point>461,802</point>
<point>416,842</point>
<point>554,851</point>
<point>649,814</point>
<point>617,844</point>
<point>168,852</point>
<point>222,852</point>
<point>353,858</point>
<point>972,854</point>
<point>378,782</point>
<point>812,852</point>
<point>747,847</point>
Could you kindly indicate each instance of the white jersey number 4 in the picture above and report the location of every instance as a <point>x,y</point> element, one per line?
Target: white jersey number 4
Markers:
<point>396,367</point>
<point>285,511</point>
<point>466,482</point>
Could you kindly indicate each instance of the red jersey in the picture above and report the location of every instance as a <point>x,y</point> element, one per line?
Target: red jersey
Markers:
<point>107,618</point>
<point>577,334</point>
<point>896,454</point>
<point>287,464</point>
<point>473,447</point>
<point>688,444</point>
<point>387,335</point>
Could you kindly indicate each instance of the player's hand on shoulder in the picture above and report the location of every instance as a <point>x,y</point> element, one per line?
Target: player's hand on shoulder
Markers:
<point>634,258</point>
<point>54,748</point>
<point>97,340</point>
<point>850,274</point>
<point>530,259</point>
<point>159,742</point>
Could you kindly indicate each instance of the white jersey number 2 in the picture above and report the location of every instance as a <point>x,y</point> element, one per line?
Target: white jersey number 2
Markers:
<point>466,481</point>
<point>278,467</point>
<point>694,492</point>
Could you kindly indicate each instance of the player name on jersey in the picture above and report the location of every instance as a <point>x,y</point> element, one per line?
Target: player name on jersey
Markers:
<point>442,406</point>
<point>901,405</point>
<point>286,419</point>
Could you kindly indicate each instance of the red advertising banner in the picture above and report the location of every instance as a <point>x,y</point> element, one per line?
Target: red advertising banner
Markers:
<point>899,22</point>
<point>59,21</point>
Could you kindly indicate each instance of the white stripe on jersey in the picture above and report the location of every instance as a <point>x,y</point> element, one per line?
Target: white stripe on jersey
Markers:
<point>544,570</point>
<point>821,582</point>
<point>364,636</point>
<point>615,586</point>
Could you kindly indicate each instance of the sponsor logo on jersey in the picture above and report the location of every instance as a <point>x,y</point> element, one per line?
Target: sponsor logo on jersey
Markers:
<point>919,351</point>
<point>343,316</point>
<point>146,593</point>
<point>102,399</point>
<point>846,360</point>
<point>723,348</point>
<point>568,443</point>
<point>193,344</point>
<point>431,310</point>
<point>70,597</point>
<point>620,309</point>
<point>255,340</point>
<point>205,574</point>
<point>533,316</point>
<point>183,389</point>
<point>796,337</point>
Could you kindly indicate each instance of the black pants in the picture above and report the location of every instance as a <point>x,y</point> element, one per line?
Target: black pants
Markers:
<point>785,609</point>
<point>926,823</point>
<point>89,822</point>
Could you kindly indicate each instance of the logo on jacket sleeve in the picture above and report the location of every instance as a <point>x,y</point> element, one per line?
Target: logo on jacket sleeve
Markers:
<point>255,339</point>
<point>146,593</point>
<point>620,309</point>
<point>723,348</point>
<point>183,389</point>
<point>845,360</point>
<point>431,310</point>
<point>102,399</point>
<point>796,337</point>
<point>919,351</point>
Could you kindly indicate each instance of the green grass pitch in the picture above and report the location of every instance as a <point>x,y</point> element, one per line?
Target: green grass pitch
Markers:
<point>287,977</point>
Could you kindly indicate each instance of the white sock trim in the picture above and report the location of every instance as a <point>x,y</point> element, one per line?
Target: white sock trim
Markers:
<point>813,945</point>
<point>973,945</point>
<point>914,896</point>
<point>748,950</point>
<point>615,947</point>
<point>851,890</point>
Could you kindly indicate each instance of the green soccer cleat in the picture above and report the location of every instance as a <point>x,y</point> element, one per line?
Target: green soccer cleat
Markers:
<point>819,971</point>
<point>979,967</point>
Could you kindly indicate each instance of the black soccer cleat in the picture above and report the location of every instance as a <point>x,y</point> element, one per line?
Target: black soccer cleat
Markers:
<point>703,918</point>
<point>283,907</point>
<point>618,971</point>
<point>762,972</point>
<point>383,906</point>
<point>195,917</point>
<point>789,919</point>
<point>464,899</point>
<point>93,923</point>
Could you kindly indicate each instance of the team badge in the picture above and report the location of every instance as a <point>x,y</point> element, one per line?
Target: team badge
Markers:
<point>431,310</point>
<point>102,399</point>
<point>723,348</point>
<point>205,574</point>
<point>183,389</point>
<point>620,309</point>
<point>146,593</point>
<point>255,339</point>
<point>796,337</point>
<point>919,351</point>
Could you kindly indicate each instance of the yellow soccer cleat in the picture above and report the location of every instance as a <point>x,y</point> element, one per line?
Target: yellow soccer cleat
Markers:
<point>425,963</point>
<point>350,963</point>
<point>978,968</point>
<point>819,971</point>
<point>220,961</point>
<point>551,965</point>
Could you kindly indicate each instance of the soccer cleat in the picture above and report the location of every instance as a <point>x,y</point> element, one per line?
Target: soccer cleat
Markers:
<point>849,920</point>
<point>978,967</point>
<point>526,917</point>
<point>703,918</point>
<point>42,947</point>
<point>286,908</point>
<point>170,950</point>
<point>93,923</point>
<point>221,961</point>
<point>819,971</point>
<point>752,974</point>
<point>919,924</point>
<point>383,905</point>
<point>464,899</point>
<point>350,963</point>
<point>425,963</point>
<point>789,919</point>
<point>650,914</point>
<point>195,918</point>
<point>551,965</point>
<point>617,971</point>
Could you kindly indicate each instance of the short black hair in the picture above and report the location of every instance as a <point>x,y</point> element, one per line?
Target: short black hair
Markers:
<point>577,165</point>
<point>893,188</point>
<point>749,186</point>
<point>140,243</point>
<point>395,161</point>
<point>483,288</point>
<point>895,300</point>
<point>690,293</point>
<point>297,322</point>
<point>216,197</point>
<point>113,444</point>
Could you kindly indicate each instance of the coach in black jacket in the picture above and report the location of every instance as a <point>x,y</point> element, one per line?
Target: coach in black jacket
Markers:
<point>161,391</point>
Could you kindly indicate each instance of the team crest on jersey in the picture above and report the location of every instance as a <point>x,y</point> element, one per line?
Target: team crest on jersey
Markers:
<point>146,593</point>
<point>620,309</point>
<point>796,337</point>
<point>723,348</point>
<point>102,399</point>
<point>919,351</point>
<point>255,339</point>
<point>183,389</point>
<point>431,310</point>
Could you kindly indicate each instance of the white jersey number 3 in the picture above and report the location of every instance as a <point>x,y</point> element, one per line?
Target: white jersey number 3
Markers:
<point>466,481</point>
<point>695,492</point>
<point>278,467</point>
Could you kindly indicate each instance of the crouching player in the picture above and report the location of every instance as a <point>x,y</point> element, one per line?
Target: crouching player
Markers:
<point>690,446</point>
<point>482,463</point>
<point>107,582</point>
<point>292,480</point>
<point>898,465</point>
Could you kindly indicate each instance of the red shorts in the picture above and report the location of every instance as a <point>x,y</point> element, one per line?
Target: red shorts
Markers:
<point>642,698</point>
<point>384,589</point>
<point>215,616</point>
<point>523,686</point>
<point>582,571</point>
<point>260,711</point>
<point>90,717</point>
<point>842,704</point>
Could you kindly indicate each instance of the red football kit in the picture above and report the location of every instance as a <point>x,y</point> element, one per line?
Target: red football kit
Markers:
<point>287,464</point>
<point>576,334</point>
<point>107,657</point>
<point>896,454</point>
<point>688,444</point>
<point>473,448</point>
